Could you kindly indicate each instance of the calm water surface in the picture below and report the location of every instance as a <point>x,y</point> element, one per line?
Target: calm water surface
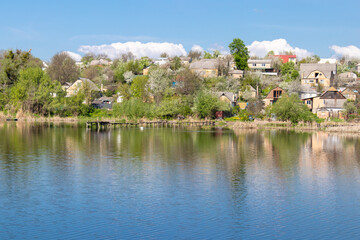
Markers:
<point>66,182</point>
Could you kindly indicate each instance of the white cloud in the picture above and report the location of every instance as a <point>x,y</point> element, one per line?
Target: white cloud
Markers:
<point>151,49</point>
<point>348,51</point>
<point>197,48</point>
<point>223,50</point>
<point>76,57</point>
<point>260,49</point>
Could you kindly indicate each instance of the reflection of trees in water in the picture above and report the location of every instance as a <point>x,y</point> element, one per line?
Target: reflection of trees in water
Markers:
<point>286,147</point>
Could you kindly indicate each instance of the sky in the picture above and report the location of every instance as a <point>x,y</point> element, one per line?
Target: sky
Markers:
<point>324,27</point>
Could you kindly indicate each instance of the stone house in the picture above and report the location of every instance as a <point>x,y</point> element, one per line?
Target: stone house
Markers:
<point>205,67</point>
<point>313,74</point>
<point>329,104</point>
<point>79,85</point>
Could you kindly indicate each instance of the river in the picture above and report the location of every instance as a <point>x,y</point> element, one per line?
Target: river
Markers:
<point>69,182</point>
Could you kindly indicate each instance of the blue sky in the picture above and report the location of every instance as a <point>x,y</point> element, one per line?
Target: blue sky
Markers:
<point>48,27</point>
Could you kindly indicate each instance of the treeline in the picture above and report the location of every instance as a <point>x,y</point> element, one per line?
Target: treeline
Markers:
<point>27,85</point>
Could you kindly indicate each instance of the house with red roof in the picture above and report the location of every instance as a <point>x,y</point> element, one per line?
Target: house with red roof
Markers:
<point>286,58</point>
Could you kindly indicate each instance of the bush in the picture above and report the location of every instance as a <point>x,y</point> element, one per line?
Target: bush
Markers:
<point>290,108</point>
<point>134,108</point>
<point>206,104</point>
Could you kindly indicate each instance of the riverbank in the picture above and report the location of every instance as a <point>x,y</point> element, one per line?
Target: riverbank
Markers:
<point>328,126</point>
<point>344,127</point>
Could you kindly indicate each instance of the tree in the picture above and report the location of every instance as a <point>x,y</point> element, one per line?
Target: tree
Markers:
<point>255,106</point>
<point>129,56</point>
<point>187,82</point>
<point>62,68</point>
<point>206,104</point>
<point>194,55</point>
<point>139,87</point>
<point>270,54</point>
<point>290,108</point>
<point>12,63</point>
<point>207,55</point>
<point>128,77</point>
<point>164,55</point>
<point>159,81</point>
<point>240,53</point>
<point>175,63</point>
<point>350,108</point>
<point>35,92</point>
<point>289,72</point>
<point>91,72</point>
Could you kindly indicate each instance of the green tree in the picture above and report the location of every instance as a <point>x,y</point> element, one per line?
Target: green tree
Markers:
<point>207,55</point>
<point>175,63</point>
<point>240,53</point>
<point>35,92</point>
<point>206,104</point>
<point>289,72</point>
<point>291,108</point>
<point>139,87</point>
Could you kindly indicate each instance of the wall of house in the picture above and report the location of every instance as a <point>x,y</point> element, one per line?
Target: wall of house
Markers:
<point>259,66</point>
<point>329,103</point>
<point>311,79</point>
<point>224,99</point>
<point>206,72</point>
<point>73,89</point>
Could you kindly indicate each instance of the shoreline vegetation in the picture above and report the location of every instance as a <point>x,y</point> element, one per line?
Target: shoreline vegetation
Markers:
<point>328,126</point>
<point>195,88</point>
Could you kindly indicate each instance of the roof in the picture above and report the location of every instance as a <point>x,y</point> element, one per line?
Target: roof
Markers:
<point>308,89</point>
<point>332,93</point>
<point>204,64</point>
<point>229,95</point>
<point>347,75</point>
<point>285,58</point>
<point>270,96</point>
<point>325,68</point>
<point>92,85</point>
<point>99,62</point>
<point>103,99</point>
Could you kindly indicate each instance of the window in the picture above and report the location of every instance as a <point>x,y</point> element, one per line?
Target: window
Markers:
<point>308,102</point>
<point>263,64</point>
<point>316,75</point>
<point>254,64</point>
<point>277,93</point>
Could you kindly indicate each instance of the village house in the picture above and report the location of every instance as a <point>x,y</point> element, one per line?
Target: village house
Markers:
<point>350,94</point>
<point>103,103</point>
<point>79,85</point>
<point>347,77</point>
<point>236,74</point>
<point>313,74</point>
<point>286,58</point>
<point>273,96</point>
<point>329,104</point>
<point>161,61</point>
<point>248,92</point>
<point>205,67</point>
<point>227,97</point>
<point>261,65</point>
